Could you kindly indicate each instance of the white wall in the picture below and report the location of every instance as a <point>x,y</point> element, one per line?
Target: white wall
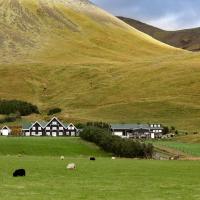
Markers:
<point>5,132</point>
<point>118,133</point>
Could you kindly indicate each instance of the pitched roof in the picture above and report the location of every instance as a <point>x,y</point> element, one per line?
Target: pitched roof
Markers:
<point>42,123</point>
<point>6,127</point>
<point>26,125</point>
<point>130,126</point>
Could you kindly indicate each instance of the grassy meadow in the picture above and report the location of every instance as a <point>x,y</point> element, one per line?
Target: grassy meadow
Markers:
<point>48,178</point>
<point>192,149</point>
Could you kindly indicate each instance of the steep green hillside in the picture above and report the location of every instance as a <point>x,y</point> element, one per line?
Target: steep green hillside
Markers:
<point>72,55</point>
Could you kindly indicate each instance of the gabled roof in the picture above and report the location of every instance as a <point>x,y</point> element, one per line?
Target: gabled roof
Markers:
<point>43,124</point>
<point>6,127</point>
<point>129,126</point>
<point>72,125</point>
<point>26,125</point>
<point>56,120</point>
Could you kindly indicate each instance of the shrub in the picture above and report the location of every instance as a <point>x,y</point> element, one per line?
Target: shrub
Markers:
<point>116,145</point>
<point>99,124</point>
<point>16,106</point>
<point>54,111</point>
<point>10,118</point>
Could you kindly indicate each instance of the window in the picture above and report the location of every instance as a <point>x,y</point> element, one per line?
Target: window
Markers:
<point>60,128</point>
<point>54,128</point>
<point>160,131</point>
<point>54,123</point>
<point>47,133</point>
<point>39,128</point>
<point>72,133</point>
<point>47,128</point>
<point>33,128</point>
<point>60,133</point>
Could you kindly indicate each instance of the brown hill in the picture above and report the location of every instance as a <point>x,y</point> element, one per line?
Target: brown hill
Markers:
<point>186,39</point>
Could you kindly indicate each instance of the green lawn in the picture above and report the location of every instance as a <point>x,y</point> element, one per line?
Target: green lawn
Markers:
<point>47,178</point>
<point>48,147</point>
<point>188,148</point>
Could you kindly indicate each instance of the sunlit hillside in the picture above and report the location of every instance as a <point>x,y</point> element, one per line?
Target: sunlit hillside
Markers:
<point>73,55</point>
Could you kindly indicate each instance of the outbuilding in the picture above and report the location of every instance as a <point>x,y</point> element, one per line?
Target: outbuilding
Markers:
<point>5,131</point>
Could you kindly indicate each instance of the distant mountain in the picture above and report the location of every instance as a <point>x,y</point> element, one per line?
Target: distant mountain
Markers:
<point>186,39</point>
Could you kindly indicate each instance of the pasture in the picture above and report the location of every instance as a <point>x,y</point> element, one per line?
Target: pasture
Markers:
<point>47,177</point>
<point>191,149</point>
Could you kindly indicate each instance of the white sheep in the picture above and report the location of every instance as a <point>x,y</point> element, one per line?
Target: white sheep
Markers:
<point>62,157</point>
<point>71,166</point>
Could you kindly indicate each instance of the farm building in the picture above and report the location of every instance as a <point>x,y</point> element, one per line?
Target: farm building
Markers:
<point>137,130</point>
<point>5,131</point>
<point>52,128</point>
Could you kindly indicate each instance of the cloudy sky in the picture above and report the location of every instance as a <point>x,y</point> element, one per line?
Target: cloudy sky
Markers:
<point>166,14</point>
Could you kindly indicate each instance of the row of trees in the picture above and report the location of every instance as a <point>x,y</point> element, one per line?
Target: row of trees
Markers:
<point>116,145</point>
<point>16,106</point>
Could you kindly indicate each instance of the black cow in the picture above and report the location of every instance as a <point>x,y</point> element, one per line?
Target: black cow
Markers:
<point>92,158</point>
<point>19,172</point>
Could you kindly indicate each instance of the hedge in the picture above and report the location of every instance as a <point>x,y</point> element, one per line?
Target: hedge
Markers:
<point>116,145</point>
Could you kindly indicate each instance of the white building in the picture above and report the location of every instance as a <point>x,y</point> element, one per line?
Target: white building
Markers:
<point>5,131</point>
<point>150,131</point>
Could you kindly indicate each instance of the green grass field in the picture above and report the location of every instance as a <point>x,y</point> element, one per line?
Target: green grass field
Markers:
<point>191,149</point>
<point>72,147</point>
<point>48,179</point>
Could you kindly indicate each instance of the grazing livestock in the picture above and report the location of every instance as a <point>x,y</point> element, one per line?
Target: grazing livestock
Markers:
<point>19,172</point>
<point>113,158</point>
<point>62,157</point>
<point>71,166</point>
<point>92,158</point>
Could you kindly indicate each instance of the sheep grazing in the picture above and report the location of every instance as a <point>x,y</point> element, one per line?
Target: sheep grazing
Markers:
<point>62,157</point>
<point>71,166</point>
<point>19,172</point>
<point>92,158</point>
<point>113,158</point>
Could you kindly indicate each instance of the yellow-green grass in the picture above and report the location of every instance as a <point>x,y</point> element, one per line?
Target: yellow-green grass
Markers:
<point>48,178</point>
<point>71,147</point>
<point>103,71</point>
<point>191,138</point>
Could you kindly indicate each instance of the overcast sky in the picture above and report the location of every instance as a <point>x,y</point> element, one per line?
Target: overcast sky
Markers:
<point>166,14</point>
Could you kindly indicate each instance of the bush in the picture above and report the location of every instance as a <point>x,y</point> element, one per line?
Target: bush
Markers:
<point>15,106</point>
<point>99,124</point>
<point>10,118</point>
<point>116,145</point>
<point>54,111</point>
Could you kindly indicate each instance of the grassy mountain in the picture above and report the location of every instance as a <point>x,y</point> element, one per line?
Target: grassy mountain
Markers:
<point>186,39</point>
<point>73,55</point>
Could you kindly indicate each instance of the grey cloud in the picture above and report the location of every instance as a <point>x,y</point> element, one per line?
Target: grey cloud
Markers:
<point>167,14</point>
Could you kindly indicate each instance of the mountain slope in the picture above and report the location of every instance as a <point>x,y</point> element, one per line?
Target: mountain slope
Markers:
<point>73,55</point>
<point>188,39</point>
<point>37,30</point>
